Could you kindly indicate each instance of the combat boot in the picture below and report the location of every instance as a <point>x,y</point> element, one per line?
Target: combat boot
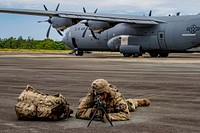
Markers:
<point>143,102</point>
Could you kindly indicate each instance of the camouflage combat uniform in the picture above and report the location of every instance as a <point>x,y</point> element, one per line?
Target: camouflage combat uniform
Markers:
<point>117,107</point>
<point>34,105</point>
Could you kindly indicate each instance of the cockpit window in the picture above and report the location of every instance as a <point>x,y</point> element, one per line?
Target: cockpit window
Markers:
<point>70,34</point>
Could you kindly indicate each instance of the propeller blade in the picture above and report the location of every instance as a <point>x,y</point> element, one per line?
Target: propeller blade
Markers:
<point>84,10</point>
<point>59,33</point>
<point>87,25</point>
<point>48,31</point>
<point>150,13</point>
<point>96,11</point>
<point>57,7</point>
<point>93,34</point>
<point>45,8</point>
<point>85,32</point>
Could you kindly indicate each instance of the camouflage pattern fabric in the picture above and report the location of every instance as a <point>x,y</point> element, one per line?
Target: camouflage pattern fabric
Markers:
<point>34,105</point>
<point>118,108</point>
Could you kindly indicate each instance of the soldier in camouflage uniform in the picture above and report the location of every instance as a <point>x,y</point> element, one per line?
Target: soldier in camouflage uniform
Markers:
<point>117,107</point>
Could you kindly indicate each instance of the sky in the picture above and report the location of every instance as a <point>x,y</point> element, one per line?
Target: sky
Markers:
<point>26,26</point>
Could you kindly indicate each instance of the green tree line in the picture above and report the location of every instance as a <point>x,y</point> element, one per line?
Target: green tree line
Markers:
<point>20,43</point>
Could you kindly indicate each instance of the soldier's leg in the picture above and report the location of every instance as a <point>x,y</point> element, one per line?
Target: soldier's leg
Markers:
<point>134,103</point>
<point>143,102</point>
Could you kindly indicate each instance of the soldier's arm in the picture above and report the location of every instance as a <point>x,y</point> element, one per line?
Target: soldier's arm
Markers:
<point>85,108</point>
<point>120,116</point>
<point>121,110</point>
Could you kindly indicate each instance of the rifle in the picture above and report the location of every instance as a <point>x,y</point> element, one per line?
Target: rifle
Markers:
<point>99,106</point>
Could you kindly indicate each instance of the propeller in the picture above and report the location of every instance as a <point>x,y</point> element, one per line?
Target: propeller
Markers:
<point>150,13</point>
<point>50,22</point>
<point>84,10</point>
<point>87,25</point>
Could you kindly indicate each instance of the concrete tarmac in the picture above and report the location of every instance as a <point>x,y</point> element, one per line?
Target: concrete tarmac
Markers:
<point>172,85</point>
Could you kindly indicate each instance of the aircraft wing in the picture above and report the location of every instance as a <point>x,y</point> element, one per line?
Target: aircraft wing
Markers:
<point>77,16</point>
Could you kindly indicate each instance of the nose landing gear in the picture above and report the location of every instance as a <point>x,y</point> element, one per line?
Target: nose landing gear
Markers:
<point>77,52</point>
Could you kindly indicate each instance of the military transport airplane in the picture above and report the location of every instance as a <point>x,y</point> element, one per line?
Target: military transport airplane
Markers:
<point>129,35</point>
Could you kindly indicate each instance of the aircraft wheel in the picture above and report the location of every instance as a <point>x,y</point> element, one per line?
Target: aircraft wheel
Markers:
<point>164,54</point>
<point>78,53</point>
<point>137,55</point>
<point>153,54</point>
<point>127,55</point>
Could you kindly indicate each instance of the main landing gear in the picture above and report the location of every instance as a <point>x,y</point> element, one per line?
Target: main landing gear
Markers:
<point>152,54</point>
<point>129,55</point>
<point>155,54</point>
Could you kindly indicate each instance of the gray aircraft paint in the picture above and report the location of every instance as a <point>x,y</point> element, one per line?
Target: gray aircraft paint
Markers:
<point>170,36</point>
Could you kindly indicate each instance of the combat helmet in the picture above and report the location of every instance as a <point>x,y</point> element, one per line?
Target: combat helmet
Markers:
<point>100,85</point>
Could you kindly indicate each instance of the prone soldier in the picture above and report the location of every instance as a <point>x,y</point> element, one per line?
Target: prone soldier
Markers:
<point>117,107</point>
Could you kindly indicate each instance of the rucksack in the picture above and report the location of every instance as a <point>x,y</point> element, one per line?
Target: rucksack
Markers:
<point>35,105</point>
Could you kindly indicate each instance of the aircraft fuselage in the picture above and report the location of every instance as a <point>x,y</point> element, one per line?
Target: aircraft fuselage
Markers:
<point>176,34</point>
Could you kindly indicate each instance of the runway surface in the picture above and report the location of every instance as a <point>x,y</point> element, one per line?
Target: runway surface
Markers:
<point>172,84</point>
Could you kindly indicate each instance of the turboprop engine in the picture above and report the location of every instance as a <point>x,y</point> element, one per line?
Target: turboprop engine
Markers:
<point>98,26</point>
<point>60,23</point>
<point>95,27</point>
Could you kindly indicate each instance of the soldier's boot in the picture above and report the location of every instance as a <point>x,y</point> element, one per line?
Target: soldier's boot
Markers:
<point>71,111</point>
<point>143,102</point>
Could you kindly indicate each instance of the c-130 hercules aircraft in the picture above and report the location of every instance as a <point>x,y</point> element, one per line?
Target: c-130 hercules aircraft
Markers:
<point>129,35</point>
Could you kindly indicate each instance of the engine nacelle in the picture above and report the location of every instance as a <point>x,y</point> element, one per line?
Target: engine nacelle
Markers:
<point>125,44</point>
<point>99,26</point>
<point>61,23</point>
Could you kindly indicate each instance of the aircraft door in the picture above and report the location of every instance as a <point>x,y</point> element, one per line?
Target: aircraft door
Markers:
<point>161,40</point>
<point>74,43</point>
